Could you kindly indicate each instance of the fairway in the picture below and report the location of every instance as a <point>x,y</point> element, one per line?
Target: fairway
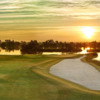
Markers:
<point>27,77</point>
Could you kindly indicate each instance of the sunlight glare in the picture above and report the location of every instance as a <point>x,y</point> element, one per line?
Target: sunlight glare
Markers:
<point>85,50</point>
<point>88,48</point>
<point>88,31</point>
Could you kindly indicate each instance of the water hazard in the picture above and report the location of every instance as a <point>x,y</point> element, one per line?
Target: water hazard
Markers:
<point>78,72</point>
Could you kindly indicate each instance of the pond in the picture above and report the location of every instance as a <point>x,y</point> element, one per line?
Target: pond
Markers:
<point>98,57</point>
<point>52,53</point>
<point>84,51</point>
<point>18,52</point>
<point>78,72</point>
<point>15,52</point>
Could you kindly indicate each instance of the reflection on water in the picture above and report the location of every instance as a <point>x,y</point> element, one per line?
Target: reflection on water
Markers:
<point>84,51</point>
<point>53,53</point>
<point>97,58</point>
<point>15,52</point>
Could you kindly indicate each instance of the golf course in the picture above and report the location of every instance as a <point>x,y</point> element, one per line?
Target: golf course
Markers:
<point>27,77</point>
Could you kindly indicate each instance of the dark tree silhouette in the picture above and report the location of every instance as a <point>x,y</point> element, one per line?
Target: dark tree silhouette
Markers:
<point>35,47</point>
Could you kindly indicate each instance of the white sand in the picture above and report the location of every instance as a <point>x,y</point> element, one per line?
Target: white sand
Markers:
<point>77,71</point>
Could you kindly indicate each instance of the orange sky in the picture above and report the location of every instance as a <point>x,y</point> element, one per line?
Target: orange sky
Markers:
<point>48,19</point>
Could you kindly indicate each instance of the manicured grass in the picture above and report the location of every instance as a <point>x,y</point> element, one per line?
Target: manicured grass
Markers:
<point>27,77</point>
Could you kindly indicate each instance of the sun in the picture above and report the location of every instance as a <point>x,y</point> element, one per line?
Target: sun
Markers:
<point>88,31</point>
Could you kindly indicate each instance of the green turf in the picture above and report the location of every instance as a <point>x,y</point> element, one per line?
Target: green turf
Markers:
<point>27,77</point>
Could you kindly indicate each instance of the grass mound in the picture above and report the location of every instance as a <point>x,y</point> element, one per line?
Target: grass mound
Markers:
<point>89,59</point>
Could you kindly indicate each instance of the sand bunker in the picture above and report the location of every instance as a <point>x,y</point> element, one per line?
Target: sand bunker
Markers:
<point>77,71</point>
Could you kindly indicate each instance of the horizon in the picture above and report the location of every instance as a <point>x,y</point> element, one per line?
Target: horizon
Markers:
<point>50,39</point>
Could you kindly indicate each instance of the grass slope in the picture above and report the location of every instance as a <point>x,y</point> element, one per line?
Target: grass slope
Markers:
<point>27,77</point>
<point>89,59</point>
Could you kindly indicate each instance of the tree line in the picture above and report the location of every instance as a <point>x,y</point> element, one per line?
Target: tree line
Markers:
<point>35,47</point>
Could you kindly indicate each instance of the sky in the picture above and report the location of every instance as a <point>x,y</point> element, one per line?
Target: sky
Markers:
<point>41,20</point>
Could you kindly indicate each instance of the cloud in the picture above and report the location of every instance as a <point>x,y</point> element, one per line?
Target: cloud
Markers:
<point>48,12</point>
<point>93,2</point>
